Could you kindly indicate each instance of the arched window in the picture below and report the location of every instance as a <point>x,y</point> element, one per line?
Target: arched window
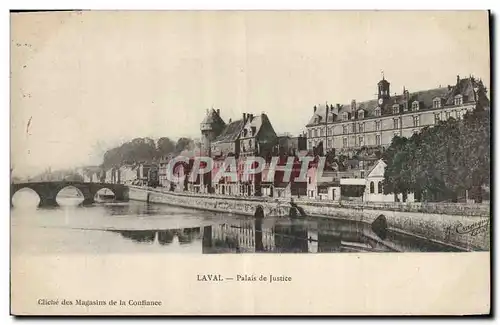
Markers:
<point>372,187</point>
<point>380,189</point>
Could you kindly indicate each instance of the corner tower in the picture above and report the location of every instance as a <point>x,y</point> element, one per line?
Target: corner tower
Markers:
<point>210,128</point>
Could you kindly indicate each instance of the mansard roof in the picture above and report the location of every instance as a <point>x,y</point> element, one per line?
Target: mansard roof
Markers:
<point>464,86</point>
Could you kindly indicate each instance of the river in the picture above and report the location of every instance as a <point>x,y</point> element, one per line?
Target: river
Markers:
<point>139,227</point>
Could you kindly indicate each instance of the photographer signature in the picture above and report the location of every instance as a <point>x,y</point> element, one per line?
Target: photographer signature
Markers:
<point>473,229</point>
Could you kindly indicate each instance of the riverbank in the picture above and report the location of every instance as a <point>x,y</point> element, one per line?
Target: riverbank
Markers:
<point>465,227</point>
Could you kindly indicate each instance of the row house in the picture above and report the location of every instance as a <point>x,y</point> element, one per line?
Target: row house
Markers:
<point>363,184</point>
<point>128,174</point>
<point>374,123</point>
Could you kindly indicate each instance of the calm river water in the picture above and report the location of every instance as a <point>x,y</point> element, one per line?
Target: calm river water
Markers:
<point>138,227</point>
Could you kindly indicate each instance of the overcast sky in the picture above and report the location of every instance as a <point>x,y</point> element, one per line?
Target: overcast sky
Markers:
<point>92,80</point>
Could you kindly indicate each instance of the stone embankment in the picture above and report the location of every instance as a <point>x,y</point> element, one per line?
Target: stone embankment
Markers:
<point>463,226</point>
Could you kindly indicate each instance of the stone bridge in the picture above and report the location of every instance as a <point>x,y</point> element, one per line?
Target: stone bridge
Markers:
<point>47,191</point>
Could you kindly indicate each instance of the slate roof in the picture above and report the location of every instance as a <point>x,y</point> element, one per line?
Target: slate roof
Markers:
<point>212,118</point>
<point>464,86</point>
<point>231,132</point>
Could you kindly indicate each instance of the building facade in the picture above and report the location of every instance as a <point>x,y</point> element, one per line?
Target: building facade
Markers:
<point>374,123</point>
<point>249,136</point>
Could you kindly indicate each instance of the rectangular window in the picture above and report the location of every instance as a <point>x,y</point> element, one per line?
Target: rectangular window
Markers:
<point>360,141</point>
<point>437,118</point>
<point>316,132</point>
<point>377,125</point>
<point>437,103</point>
<point>395,109</point>
<point>447,115</point>
<point>329,143</point>
<point>377,139</point>
<point>354,127</point>
<point>405,106</point>
<point>361,127</point>
<point>344,142</point>
<point>416,120</point>
<point>309,133</point>
<point>344,129</point>
<point>396,123</point>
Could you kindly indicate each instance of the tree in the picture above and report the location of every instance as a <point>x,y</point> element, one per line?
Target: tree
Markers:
<point>164,146</point>
<point>442,162</point>
<point>184,144</point>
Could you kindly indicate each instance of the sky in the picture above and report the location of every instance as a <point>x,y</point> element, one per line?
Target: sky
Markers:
<point>83,82</point>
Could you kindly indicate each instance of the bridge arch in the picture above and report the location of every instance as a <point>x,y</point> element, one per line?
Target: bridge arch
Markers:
<point>65,199</point>
<point>102,191</point>
<point>48,191</point>
<point>25,197</point>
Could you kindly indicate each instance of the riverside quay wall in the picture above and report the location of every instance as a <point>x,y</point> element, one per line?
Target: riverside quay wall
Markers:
<point>462,226</point>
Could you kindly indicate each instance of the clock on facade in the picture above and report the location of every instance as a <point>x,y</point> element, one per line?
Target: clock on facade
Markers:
<point>380,101</point>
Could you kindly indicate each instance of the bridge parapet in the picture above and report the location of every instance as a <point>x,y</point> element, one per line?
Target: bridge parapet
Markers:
<point>47,191</point>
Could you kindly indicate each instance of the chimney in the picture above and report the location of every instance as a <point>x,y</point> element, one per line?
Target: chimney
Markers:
<point>458,79</point>
<point>244,117</point>
<point>315,108</point>
<point>230,120</point>
<point>218,111</point>
<point>207,111</point>
<point>250,117</point>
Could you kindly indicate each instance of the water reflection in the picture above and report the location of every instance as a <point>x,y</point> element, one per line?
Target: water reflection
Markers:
<point>279,236</point>
<point>134,227</point>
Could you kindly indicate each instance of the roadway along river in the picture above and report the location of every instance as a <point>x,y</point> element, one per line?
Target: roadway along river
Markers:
<point>138,227</point>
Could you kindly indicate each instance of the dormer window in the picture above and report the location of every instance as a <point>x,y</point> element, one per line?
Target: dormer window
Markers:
<point>361,114</point>
<point>395,109</point>
<point>345,116</point>
<point>244,132</point>
<point>415,106</point>
<point>377,111</point>
<point>436,103</point>
<point>458,100</point>
<point>405,106</point>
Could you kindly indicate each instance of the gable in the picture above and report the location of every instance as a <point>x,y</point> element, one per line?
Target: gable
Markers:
<point>378,170</point>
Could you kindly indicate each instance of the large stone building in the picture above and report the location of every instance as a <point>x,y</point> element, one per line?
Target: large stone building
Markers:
<point>375,122</point>
<point>249,136</point>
